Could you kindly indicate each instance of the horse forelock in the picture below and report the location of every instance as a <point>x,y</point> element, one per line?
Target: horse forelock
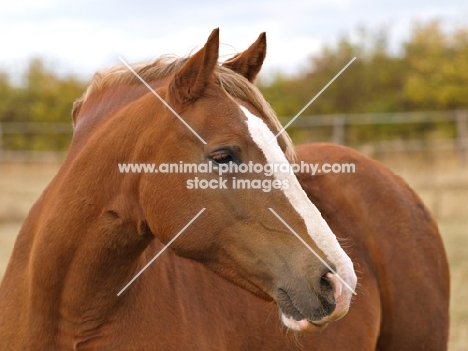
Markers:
<point>234,84</point>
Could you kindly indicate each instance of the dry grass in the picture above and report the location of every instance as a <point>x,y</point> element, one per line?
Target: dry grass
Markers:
<point>20,186</point>
<point>440,181</point>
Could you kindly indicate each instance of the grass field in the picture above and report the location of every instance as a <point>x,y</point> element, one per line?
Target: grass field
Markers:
<point>441,182</point>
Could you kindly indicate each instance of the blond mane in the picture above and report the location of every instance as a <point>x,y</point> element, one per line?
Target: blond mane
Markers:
<point>235,85</point>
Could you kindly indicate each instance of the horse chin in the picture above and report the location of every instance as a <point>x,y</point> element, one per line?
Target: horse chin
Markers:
<point>304,325</point>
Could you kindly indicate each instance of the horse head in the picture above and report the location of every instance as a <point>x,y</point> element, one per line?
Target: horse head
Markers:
<point>228,124</point>
<point>238,236</point>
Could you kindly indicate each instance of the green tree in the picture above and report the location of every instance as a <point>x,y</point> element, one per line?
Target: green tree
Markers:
<point>429,73</point>
<point>49,98</point>
<point>42,96</point>
<point>437,78</point>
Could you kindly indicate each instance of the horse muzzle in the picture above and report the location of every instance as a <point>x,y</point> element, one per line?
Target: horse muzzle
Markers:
<point>330,305</point>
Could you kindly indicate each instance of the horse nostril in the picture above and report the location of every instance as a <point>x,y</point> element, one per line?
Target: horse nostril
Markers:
<point>335,281</point>
<point>327,294</point>
<point>325,284</point>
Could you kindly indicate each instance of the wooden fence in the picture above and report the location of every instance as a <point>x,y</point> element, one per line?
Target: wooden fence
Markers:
<point>339,129</point>
<point>339,125</point>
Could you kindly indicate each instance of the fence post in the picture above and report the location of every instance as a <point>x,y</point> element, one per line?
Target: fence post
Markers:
<point>461,118</point>
<point>339,129</point>
<point>1,143</point>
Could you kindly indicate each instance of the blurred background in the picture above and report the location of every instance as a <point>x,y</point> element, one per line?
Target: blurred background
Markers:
<point>403,101</point>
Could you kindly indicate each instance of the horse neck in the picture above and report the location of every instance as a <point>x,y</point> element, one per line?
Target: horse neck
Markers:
<point>86,235</point>
<point>76,264</point>
<point>102,104</point>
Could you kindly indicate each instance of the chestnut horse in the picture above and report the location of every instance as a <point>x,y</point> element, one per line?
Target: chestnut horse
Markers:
<point>220,284</point>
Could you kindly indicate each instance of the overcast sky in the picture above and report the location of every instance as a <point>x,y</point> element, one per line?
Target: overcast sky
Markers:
<point>82,37</point>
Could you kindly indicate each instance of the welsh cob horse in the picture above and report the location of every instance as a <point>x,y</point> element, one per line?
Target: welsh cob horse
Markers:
<point>249,265</point>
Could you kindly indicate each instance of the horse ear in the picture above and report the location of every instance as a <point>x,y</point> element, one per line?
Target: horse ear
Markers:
<point>190,81</point>
<point>249,62</point>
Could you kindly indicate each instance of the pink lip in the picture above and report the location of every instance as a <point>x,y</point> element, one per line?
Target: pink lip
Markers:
<point>303,325</point>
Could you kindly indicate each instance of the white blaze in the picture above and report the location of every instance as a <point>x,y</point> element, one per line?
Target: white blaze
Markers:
<point>317,227</point>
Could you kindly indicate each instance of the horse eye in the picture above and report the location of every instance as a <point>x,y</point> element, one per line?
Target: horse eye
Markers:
<point>222,157</point>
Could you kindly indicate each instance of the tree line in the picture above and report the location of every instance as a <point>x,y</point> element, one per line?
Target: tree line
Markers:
<point>40,95</point>
<point>428,72</point>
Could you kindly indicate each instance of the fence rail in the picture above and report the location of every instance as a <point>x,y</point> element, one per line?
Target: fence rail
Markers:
<point>338,124</point>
